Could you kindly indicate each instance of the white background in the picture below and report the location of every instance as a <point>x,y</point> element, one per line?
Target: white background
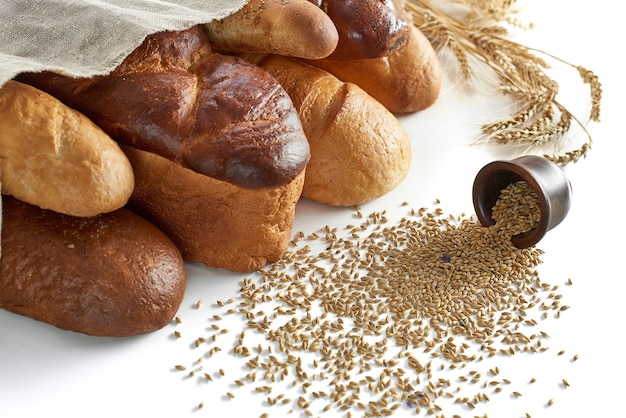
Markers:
<point>45,371</point>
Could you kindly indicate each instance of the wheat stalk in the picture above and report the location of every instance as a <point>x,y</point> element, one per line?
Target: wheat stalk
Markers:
<point>475,31</point>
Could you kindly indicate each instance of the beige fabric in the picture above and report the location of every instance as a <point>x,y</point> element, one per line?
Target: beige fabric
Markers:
<point>88,37</point>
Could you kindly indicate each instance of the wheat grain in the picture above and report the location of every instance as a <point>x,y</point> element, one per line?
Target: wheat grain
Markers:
<point>431,282</point>
<point>478,39</point>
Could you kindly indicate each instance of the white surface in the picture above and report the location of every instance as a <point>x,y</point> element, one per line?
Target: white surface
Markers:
<point>45,371</point>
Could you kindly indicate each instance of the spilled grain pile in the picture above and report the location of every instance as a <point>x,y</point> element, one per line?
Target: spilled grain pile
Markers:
<point>364,320</point>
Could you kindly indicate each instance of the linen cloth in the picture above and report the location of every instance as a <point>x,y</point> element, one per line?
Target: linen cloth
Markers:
<point>89,37</point>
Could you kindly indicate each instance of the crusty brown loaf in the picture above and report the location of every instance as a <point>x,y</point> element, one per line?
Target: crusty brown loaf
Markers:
<point>212,221</point>
<point>110,275</point>
<point>293,28</point>
<point>55,158</point>
<point>407,80</point>
<point>359,150</point>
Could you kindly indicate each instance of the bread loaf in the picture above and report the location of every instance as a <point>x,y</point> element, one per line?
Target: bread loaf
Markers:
<point>112,275</point>
<point>407,80</point>
<point>215,115</point>
<point>293,28</point>
<point>359,150</point>
<point>212,221</point>
<point>56,158</point>
<point>367,28</point>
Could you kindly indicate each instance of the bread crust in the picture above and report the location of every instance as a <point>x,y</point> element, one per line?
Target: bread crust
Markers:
<point>112,275</point>
<point>56,158</point>
<point>359,150</point>
<point>214,222</point>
